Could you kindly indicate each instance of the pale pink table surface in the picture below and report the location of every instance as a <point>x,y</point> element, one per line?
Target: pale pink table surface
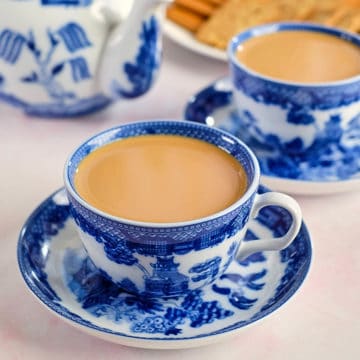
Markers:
<point>322,321</point>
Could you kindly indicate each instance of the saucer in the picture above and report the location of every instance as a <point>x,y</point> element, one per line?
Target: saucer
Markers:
<point>293,174</point>
<point>57,270</point>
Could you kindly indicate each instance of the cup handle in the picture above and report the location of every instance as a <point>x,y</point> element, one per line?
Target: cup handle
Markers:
<point>276,243</point>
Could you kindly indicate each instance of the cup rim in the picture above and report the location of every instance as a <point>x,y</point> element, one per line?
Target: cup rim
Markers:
<point>252,187</point>
<point>290,26</point>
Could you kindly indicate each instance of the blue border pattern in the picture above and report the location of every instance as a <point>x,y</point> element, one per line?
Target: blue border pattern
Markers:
<point>269,91</point>
<point>180,234</point>
<point>163,127</point>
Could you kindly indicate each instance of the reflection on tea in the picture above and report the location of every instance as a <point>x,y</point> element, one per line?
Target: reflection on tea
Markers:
<point>301,56</point>
<point>160,178</point>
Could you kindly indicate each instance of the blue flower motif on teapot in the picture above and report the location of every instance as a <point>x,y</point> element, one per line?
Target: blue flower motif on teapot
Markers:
<point>58,64</point>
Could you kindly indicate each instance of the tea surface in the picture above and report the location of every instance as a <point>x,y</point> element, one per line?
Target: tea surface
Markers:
<point>301,56</point>
<point>160,178</point>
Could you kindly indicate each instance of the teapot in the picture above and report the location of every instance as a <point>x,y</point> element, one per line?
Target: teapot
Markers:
<point>63,58</point>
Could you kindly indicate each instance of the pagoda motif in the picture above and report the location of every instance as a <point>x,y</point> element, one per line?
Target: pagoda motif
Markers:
<point>165,279</point>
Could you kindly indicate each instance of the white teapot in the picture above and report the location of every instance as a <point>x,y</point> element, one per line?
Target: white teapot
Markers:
<point>63,58</point>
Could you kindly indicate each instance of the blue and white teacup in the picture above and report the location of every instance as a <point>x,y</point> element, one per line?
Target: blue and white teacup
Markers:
<point>319,121</point>
<point>62,58</point>
<point>170,259</point>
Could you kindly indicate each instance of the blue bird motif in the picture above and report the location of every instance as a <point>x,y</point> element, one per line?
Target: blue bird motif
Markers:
<point>236,296</point>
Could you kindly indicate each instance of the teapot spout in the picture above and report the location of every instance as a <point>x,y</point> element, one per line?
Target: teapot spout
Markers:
<point>132,54</point>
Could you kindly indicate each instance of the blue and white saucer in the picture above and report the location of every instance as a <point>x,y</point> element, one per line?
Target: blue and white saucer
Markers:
<point>57,270</point>
<point>214,106</point>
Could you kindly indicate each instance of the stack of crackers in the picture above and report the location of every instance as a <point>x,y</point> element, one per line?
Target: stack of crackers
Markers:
<point>215,22</point>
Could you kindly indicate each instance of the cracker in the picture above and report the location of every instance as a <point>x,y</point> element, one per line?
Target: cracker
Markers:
<point>345,17</point>
<point>184,17</point>
<point>220,20</point>
<point>216,2</point>
<point>200,7</point>
<point>353,3</point>
<point>236,16</point>
<point>294,10</point>
<point>322,10</point>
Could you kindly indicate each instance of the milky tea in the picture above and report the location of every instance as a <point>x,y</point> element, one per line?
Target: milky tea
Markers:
<point>301,56</point>
<point>160,178</point>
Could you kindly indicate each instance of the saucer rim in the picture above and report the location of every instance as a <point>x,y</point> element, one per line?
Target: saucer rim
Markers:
<point>59,308</point>
<point>285,184</point>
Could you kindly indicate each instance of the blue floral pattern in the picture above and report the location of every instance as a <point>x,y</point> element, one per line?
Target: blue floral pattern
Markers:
<point>292,96</point>
<point>164,280</point>
<point>101,297</point>
<point>63,64</point>
<point>47,71</point>
<point>243,295</point>
<point>316,98</point>
<point>125,242</point>
<point>141,73</point>
<point>47,221</point>
<point>308,121</point>
<point>331,156</point>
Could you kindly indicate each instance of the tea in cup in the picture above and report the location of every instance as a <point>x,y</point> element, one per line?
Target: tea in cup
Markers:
<point>297,88</point>
<point>160,178</point>
<point>162,207</point>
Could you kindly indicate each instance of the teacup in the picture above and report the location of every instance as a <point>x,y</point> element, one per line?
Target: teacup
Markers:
<point>165,259</point>
<point>69,58</point>
<point>316,120</point>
